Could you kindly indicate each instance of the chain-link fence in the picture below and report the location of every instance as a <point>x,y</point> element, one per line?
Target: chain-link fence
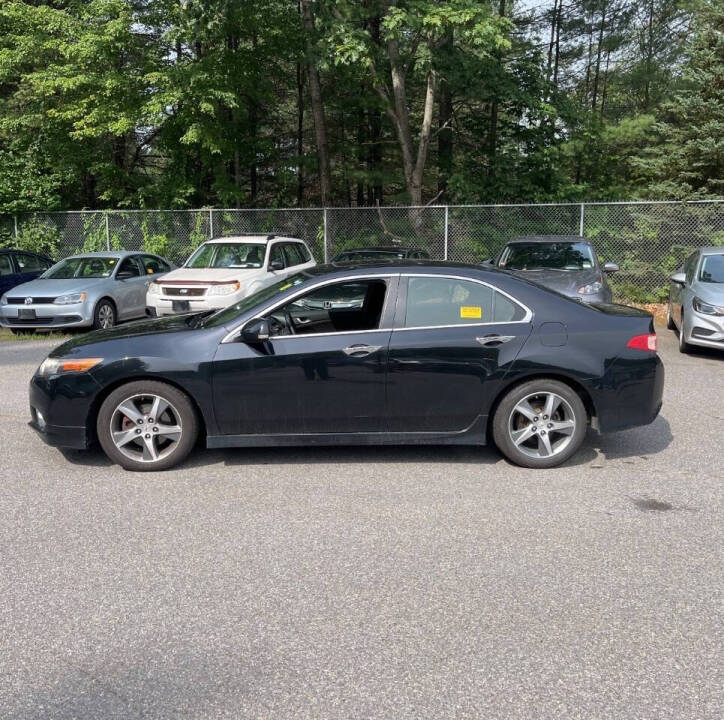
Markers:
<point>648,240</point>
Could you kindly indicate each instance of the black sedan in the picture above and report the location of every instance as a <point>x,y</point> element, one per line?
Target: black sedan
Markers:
<point>380,253</point>
<point>433,354</point>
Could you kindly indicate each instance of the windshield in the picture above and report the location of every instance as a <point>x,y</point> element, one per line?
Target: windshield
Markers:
<point>233,311</point>
<point>356,256</point>
<point>228,255</point>
<point>547,256</point>
<point>712,269</point>
<point>81,267</point>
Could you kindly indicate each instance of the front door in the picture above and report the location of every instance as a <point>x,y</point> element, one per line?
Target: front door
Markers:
<point>453,340</point>
<point>322,370</point>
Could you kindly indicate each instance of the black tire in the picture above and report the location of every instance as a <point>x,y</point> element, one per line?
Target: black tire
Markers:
<point>573,408</point>
<point>670,324</point>
<point>104,316</point>
<point>180,412</point>
<point>683,345</point>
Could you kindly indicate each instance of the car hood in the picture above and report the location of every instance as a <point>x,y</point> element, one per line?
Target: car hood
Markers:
<point>211,275</point>
<point>712,293</point>
<point>155,326</point>
<point>52,288</point>
<point>566,282</point>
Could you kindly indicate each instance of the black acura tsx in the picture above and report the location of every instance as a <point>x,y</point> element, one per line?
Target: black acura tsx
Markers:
<point>411,352</point>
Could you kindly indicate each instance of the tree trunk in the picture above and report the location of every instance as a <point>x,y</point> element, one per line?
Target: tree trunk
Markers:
<point>601,28</point>
<point>300,134</point>
<point>315,94</point>
<point>445,132</point>
<point>493,134</point>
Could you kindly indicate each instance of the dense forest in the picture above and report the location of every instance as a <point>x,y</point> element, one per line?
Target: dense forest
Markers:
<point>269,103</point>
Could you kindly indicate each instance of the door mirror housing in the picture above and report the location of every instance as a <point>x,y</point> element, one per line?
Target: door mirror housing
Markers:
<point>611,267</point>
<point>275,265</point>
<point>124,275</point>
<point>678,278</point>
<point>257,331</point>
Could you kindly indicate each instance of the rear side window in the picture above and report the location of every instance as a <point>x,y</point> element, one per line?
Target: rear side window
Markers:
<point>29,263</point>
<point>435,302</point>
<point>5,267</point>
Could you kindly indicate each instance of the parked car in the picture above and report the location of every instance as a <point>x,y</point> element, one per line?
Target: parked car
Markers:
<point>376,254</point>
<point>20,266</point>
<point>696,300</point>
<point>567,264</point>
<point>89,290</point>
<point>436,354</point>
<point>224,270</point>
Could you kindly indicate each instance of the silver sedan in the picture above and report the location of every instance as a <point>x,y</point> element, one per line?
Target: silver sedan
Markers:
<point>89,290</point>
<point>696,300</point>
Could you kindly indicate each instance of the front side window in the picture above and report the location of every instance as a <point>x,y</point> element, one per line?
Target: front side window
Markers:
<point>153,265</point>
<point>441,301</point>
<point>277,254</point>
<point>351,306</point>
<point>5,267</point>
<point>81,267</point>
<point>547,256</point>
<point>689,267</point>
<point>29,263</point>
<point>292,255</point>
<point>227,255</point>
<point>129,266</point>
<point>712,269</point>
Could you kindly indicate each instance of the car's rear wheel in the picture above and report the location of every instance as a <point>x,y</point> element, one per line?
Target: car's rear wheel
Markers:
<point>147,425</point>
<point>540,423</point>
<point>104,316</point>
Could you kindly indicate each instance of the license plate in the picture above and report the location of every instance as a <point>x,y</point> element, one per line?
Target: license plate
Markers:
<point>180,305</point>
<point>24,314</point>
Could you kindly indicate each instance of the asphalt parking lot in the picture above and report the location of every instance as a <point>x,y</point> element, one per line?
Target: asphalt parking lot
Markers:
<point>367,582</point>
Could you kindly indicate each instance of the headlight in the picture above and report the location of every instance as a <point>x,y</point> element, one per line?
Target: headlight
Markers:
<point>55,366</point>
<point>590,289</point>
<point>154,288</point>
<point>706,309</point>
<point>73,299</point>
<point>225,289</point>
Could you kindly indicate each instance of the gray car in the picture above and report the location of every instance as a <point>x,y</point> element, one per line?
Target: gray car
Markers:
<point>696,300</point>
<point>568,264</point>
<point>89,290</point>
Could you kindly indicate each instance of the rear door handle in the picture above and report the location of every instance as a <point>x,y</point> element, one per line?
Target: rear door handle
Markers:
<point>494,339</point>
<point>361,350</point>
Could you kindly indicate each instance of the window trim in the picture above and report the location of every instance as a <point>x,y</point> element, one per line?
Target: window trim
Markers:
<point>526,319</point>
<point>391,289</point>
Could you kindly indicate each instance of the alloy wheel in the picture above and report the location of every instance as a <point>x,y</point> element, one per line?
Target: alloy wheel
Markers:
<point>106,316</point>
<point>541,425</point>
<point>146,428</point>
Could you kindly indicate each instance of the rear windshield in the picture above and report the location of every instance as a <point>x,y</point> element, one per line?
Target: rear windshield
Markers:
<point>712,269</point>
<point>547,256</point>
<point>81,267</point>
<point>228,255</point>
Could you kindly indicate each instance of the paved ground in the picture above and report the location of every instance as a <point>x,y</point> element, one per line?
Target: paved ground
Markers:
<point>368,583</point>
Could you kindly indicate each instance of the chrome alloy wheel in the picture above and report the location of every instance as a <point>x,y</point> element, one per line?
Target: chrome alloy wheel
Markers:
<point>105,316</point>
<point>541,425</point>
<point>146,428</point>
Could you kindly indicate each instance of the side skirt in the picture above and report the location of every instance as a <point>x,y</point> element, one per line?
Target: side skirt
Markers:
<point>474,435</point>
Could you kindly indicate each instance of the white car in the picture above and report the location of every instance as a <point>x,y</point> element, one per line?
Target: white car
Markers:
<point>222,271</point>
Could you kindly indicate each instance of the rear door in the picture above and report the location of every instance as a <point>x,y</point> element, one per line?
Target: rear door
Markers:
<point>453,340</point>
<point>131,291</point>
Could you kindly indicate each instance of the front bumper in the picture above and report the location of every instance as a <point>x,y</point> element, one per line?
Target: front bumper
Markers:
<point>704,330</point>
<point>46,315</point>
<point>160,305</point>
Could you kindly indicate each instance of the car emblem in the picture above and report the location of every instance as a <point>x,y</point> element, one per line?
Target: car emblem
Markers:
<point>28,301</point>
<point>327,304</point>
<point>184,291</point>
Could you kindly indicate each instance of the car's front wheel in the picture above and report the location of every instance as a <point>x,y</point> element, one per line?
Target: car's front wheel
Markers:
<point>104,316</point>
<point>147,425</point>
<point>683,345</point>
<point>669,318</point>
<point>540,423</point>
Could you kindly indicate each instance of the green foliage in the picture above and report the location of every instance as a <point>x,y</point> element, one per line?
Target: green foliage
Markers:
<point>35,235</point>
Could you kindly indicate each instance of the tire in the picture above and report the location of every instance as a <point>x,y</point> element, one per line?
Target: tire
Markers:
<point>151,449</point>
<point>523,408</point>
<point>683,345</point>
<point>104,316</point>
<point>670,324</point>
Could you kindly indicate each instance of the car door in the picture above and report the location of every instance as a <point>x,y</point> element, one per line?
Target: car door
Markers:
<point>307,378</point>
<point>452,342</point>
<point>130,288</point>
<point>29,266</point>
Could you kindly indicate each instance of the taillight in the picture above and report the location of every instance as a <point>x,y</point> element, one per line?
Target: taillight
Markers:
<point>646,342</point>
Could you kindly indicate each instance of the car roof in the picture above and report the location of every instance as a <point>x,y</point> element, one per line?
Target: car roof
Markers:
<point>4,251</point>
<point>712,250</point>
<point>433,267</point>
<point>379,248</point>
<point>548,239</point>
<point>253,238</point>
<point>118,254</point>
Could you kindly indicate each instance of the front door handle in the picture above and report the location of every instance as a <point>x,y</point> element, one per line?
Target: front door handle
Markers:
<point>494,339</point>
<point>361,350</point>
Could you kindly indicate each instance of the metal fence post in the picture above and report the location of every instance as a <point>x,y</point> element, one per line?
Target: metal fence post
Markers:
<point>211,223</point>
<point>15,222</point>
<point>326,247</point>
<point>108,233</point>
<point>447,208</point>
<point>583,210</point>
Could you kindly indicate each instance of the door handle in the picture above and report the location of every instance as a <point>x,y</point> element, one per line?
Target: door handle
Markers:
<point>494,339</point>
<point>361,350</point>
<point>303,320</point>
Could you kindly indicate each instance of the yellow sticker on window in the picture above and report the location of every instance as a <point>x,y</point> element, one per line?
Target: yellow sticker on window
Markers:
<point>285,287</point>
<point>471,312</point>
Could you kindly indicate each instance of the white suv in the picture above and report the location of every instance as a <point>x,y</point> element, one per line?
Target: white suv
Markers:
<point>224,270</point>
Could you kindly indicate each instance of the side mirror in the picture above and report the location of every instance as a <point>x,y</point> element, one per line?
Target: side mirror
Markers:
<point>124,275</point>
<point>256,331</point>
<point>678,278</point>
<point>611,267</point>
<point>276,265</point>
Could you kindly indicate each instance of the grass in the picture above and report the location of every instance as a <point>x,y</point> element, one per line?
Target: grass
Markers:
<point>7,336</point>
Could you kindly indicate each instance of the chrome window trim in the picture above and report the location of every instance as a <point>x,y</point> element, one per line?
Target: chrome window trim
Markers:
<point>232,334</point>
<point>526,319</point>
